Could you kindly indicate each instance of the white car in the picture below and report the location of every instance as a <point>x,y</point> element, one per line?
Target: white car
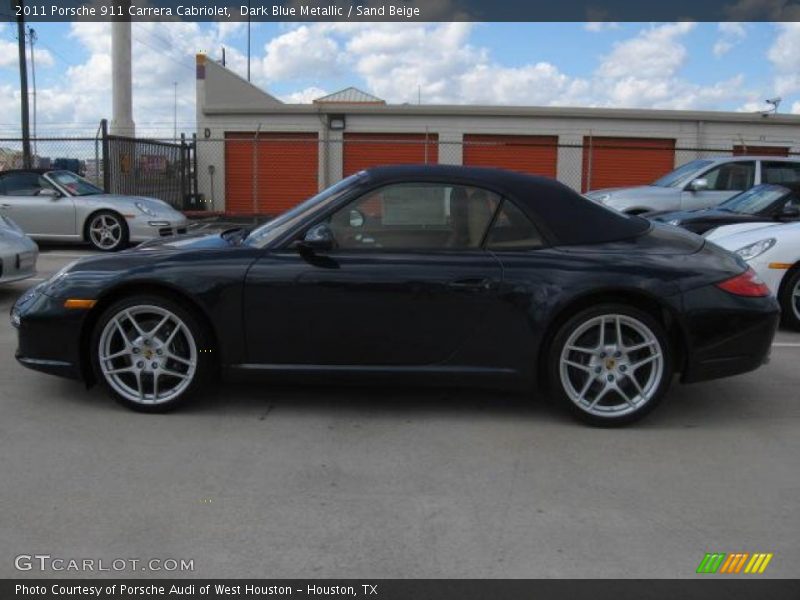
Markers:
<point>18,253</point>
<point>59,206</point>
<point>773,250</point>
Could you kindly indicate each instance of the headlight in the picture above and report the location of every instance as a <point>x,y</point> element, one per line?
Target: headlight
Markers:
<point>674,222</point>
<point>145,209</point>
<point>757,249</point>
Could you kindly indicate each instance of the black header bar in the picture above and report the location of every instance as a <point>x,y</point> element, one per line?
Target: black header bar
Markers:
<point>405,10</point>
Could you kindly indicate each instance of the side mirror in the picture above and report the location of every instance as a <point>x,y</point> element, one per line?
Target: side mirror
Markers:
<point>699,185</point>
<point>48,193</point>
<point>789,213</point>
<point>317,239</point>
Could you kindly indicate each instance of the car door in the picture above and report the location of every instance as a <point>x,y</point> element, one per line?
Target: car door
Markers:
<point>406,285</point>
<point>39,214</point>
<point>724,181</point>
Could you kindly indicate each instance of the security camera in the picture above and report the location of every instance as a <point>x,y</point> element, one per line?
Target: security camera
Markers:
<point>774,101</point>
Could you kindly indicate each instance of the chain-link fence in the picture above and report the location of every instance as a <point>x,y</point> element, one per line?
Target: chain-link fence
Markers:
<point>116,164</point>
<point>267,173</point>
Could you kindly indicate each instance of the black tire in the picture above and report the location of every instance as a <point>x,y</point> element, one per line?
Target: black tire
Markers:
<point>613,370</point>
<point>138,306</point>
<point>790,303</point>
<point>119,231</point>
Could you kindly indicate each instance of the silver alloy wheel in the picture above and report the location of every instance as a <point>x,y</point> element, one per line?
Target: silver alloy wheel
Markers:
<point>612,365</point>
<point>105,231</point>
<point>795,300</point>
<point>147,354</point>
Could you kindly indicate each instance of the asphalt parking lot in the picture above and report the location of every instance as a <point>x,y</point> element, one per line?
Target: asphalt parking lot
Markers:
<point>260,481</point>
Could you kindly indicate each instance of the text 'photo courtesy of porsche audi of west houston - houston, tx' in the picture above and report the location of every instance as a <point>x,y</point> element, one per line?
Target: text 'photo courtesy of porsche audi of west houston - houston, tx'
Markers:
<point>429,274</point>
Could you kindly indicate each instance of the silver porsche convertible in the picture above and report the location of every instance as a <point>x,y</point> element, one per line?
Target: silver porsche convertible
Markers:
<point>18,253</point>
<point>58,205</point>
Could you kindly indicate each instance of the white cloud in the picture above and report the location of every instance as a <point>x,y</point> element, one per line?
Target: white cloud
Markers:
<point>305,95</point>
<point>300,52</point>
<point>784,54</point>
<point>600,26</point>
<point>731,34</point>
<point>796,108</point>
<point>654,52</point>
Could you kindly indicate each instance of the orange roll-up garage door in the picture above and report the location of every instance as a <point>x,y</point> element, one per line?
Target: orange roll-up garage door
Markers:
<point>287,167</point>
<point>364,150</point>
<point>533,154</point>
<point>620,162</point>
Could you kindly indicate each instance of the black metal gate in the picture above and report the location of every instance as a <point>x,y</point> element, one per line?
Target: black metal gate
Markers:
<point>146,167</point>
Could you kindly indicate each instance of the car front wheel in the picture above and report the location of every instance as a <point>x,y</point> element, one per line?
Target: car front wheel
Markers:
<point>107,231</point>
<point>790,300</point>
<point>150,353</point>
<point>610,365</point>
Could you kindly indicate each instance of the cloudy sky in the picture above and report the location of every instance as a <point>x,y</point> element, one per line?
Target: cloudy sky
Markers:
<point>729,66</point>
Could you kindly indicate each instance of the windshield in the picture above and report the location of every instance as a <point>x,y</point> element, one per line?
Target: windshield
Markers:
<point>755,200</point>
<point>273,229</point>
<point>74,184</point>
<point>682,174</point>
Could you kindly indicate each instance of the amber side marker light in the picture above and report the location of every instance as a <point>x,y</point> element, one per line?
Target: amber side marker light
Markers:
<point>780,265</point>
<point>79,303</point>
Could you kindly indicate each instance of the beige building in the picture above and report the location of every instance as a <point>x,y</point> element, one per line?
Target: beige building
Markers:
<point>257,154</point>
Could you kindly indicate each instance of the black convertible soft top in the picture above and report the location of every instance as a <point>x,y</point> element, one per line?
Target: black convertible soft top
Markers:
<point>567,217</point>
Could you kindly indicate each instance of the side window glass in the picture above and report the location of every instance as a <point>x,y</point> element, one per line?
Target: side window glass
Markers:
<point>780,172</point>
<point>416,216</point>
<point>513,230</point>
<point>732,177</point>
<point>793,202</point>
<point>22,184</point>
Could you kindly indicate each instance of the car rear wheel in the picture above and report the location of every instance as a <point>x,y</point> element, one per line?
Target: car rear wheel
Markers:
<point>790,300</point>
<point>610,365</point>
<point>150,353</point>
<point>107,231</point>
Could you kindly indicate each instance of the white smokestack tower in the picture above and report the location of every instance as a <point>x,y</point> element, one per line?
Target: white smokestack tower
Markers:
<point>121,80</point>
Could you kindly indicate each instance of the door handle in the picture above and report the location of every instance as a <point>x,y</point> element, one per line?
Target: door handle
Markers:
<point>474,284</point>
<point>4,206</point>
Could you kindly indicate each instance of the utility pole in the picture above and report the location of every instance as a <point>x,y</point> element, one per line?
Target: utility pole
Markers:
<point>23,87</point>
<point>175,113</point>
<point>32,40</point>
<point>248,40</point>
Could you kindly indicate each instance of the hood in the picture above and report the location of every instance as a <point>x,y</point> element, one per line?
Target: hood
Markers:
<point>634,192</point>
<point>739,228</point>
<point>191,241</point>
<point>12,240</point>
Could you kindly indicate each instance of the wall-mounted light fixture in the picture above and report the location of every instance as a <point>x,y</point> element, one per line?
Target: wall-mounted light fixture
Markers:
<point>336,122</point>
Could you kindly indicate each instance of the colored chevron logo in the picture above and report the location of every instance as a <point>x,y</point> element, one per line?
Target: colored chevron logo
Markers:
<point>734,563</point>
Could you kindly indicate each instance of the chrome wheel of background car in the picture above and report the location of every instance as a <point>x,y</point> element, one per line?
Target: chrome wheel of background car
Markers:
<point>796,300</point>
<point>147,354</point>
<point>106,231</point>
<point>611,365</point>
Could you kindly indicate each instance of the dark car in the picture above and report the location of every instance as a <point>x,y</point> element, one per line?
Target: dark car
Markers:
<point>767,202</point>
<point>437,274</point>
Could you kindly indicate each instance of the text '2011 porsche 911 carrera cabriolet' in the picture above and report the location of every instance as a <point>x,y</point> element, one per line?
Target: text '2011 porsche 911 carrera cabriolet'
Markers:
<point>434,274</point>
